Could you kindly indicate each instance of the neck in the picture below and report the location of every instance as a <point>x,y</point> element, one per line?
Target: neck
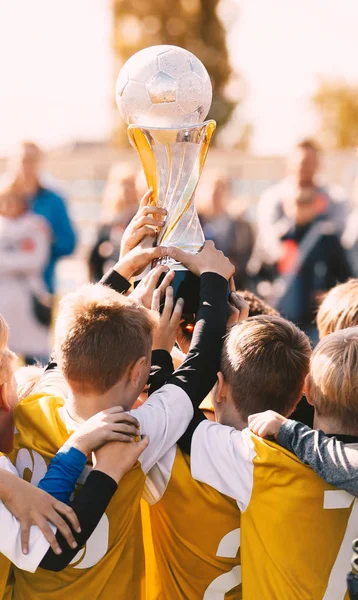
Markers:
<point>331,426</point>
<point>82,407</point>
<point>232,418</point>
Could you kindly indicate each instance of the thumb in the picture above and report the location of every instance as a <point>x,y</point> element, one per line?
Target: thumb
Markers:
<point>142,445</point>
<point>156,252</point>
<point>185,258</point>
<point>146,198</point>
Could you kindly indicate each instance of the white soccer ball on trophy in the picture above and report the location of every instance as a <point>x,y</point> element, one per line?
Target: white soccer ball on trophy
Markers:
<point>163,86</point>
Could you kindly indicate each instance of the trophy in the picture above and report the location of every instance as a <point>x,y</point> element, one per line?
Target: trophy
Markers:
<point>164,94</point>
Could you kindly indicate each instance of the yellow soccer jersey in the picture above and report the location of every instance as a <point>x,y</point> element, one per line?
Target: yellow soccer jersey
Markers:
<point>5,566</point>
<point>196,534</point>
<point>296,530</point>
<point>111,565</point>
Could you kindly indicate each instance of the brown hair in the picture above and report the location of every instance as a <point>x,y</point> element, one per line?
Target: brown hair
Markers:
<point>265,360</point>
<point>339,308</point>
<point>333,380</point>
<point>257,305</point>
<point>99,334</point>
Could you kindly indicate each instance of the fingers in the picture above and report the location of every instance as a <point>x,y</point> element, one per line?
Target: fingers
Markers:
<point>70,515</point>
<point>125,428</point>
<point>56,520</point>
<point>146,199</point>
<point>232,285</point>
<point>153,210</point>
<point>50,536</point>
<point>239,303</point>
<point>145,220</point>
<point>177,314</point>
<point>168,305</point>
<point>115,436</point>
<point>142,445</point>
<point>139,234</point>
<point>180,256</point>
<point>166,281</point>
<point>156,252</point>
<point>25,532</point>
<point>156,300</point>
<point>125,418</point>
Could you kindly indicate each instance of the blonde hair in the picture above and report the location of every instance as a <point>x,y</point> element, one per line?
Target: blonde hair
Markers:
<point>339,308</point>
<point>6,356</point>
<point>99,334</point>
<point>333,380</point>
<point>265,361</point>
<point>27,378</point>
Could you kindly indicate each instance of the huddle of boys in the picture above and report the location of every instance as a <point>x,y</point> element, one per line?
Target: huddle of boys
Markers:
<point>226,506</point>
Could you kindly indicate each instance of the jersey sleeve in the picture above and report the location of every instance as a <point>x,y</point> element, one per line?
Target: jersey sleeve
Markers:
<point>163,418</point>
<point>63,472</point>
<point>10,538</point>
<point>223,457</point>
<point>332,460</point>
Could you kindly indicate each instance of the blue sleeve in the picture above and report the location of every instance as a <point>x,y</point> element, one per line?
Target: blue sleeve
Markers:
<point>64,237</point>
<point>63,472</point>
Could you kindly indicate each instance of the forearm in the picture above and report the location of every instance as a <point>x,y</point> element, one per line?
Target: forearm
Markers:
<point>63,473</point>
<point>89,505</point>
<point>333,461</point>
<point>116,281</point>
<point>197,375</point>
<point>161,370</point>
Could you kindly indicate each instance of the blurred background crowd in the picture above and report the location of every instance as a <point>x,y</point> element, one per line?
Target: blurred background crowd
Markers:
<point>279,193</point>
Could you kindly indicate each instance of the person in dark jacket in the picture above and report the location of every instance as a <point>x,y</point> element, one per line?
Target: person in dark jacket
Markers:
<point>311,261</point>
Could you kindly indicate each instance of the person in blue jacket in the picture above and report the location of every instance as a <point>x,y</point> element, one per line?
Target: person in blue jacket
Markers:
<point>26,171</point>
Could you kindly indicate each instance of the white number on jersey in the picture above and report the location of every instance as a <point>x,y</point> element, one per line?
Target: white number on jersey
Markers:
<point>227,548</point>
<point>337,586</point>
<point>97,545</point>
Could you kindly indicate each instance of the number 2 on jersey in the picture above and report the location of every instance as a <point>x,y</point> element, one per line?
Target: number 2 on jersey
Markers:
<point>227,548</point>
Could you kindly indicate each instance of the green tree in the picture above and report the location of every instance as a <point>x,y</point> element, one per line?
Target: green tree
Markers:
<point>191,24</point>
<point>337,106</point>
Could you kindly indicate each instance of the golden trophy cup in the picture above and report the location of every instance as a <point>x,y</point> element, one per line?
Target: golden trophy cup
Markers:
<point>164,94</point>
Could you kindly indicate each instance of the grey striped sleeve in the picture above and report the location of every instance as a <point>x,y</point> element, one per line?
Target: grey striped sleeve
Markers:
<point>333,461</point>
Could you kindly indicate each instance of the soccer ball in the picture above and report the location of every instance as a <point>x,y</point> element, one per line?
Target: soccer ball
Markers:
<point>163,86</point>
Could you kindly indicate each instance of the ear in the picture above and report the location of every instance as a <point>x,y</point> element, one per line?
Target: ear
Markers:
<point>220,389</point>
<point>4,404</point>
<point>307,389</point>
<point>136,370</point>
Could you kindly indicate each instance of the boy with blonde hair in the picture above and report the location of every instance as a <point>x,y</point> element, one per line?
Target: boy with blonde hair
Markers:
<point>339,308</point>
<point>331,387</point>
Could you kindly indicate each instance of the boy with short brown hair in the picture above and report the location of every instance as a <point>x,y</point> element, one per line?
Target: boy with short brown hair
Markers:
<point>292,539</point>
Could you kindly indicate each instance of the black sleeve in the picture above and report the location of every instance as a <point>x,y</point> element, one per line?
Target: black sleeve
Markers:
<point>89,506</point>
<point>161,370</point>
<point>115,281</point>
<point>197,375</point>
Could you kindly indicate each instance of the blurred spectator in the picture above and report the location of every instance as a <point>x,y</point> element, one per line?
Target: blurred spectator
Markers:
<point>232,235</point>
<point>120,203</point>
<point>311,260</point>
<point>303,165</point>
<point>350,236</point>
<point>24,251</point>
<point>25,173</point>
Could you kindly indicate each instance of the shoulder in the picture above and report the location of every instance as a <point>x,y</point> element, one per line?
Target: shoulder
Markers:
<point>36,408</point>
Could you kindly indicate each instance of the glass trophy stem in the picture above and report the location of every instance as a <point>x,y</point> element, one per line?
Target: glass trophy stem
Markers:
<point>173,160</point>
